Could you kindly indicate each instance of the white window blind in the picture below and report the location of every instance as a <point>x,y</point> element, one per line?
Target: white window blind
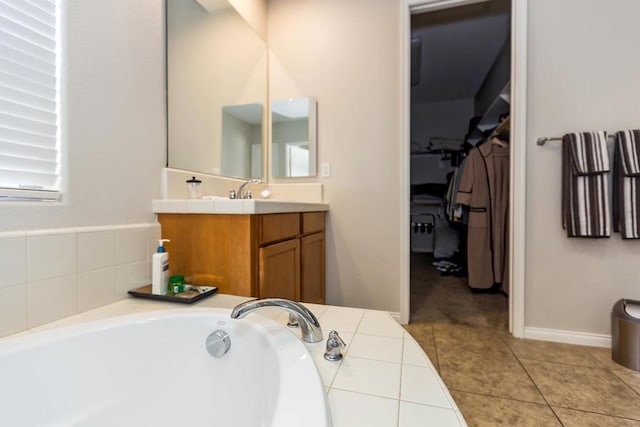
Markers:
<point>29,136</point>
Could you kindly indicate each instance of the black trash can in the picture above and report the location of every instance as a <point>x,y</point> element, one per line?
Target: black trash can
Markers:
<point>625,325</point>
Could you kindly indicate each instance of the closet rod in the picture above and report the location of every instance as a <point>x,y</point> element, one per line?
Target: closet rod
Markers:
<point>543,139</point>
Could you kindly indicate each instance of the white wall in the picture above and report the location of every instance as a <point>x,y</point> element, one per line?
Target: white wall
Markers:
<point>113,110</point>
<point>346,54</point>
<point>583,75</point>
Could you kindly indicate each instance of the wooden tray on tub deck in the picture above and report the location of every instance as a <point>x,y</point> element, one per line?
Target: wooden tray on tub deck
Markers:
<point>190,295</point>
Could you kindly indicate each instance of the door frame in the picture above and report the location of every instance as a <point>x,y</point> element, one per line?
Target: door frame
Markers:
<point>517,187</point>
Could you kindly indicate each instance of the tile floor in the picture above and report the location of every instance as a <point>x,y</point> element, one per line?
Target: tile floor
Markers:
<point>498,380</point>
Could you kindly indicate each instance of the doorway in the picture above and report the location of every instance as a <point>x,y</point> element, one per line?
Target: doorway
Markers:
<point>430,171</point>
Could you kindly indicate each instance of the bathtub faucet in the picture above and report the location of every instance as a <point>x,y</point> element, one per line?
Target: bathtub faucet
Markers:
<point>309,325</point>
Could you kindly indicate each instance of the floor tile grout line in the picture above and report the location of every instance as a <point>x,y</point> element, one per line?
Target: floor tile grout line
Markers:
<point>426,312</point>
<point>602,368</point>
<point>625,382</point>
<point>594,412</point>
<point>555,414</point>
<point>535,385</point>
<point>615,372</point>
<point>458,390</point>
<point>571,365</point>
<point>551,407</point>
<point>401,373</point>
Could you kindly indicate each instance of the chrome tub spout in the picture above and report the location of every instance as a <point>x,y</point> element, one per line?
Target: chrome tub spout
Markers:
<point>309,325</point>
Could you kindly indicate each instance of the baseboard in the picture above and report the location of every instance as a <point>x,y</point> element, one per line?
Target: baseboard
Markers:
<point>396,316</point>
<point>568,337</point>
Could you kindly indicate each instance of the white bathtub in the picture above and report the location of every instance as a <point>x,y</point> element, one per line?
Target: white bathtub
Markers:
<point>153,369</point>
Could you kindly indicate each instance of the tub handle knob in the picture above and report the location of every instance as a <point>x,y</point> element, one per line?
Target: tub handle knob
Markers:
<point>218,343</point>
<point>334,345</point>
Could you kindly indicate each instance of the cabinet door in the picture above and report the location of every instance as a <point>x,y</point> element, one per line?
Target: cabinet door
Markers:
<point>312,268</point>
<point>280,270</point>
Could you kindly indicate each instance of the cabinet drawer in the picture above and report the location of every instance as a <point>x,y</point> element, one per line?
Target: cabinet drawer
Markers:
<point>312,221</point>
<point>278,227</point>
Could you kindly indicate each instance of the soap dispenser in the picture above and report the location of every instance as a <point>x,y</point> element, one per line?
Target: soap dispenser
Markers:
<point>160,269</point>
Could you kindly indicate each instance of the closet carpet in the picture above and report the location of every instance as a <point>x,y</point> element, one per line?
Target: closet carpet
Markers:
<point>498,380</point>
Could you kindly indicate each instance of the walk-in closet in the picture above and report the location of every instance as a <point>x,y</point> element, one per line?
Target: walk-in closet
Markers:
<point>460,159</point>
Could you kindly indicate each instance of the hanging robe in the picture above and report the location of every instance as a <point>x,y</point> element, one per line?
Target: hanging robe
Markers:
<point>484,187</point>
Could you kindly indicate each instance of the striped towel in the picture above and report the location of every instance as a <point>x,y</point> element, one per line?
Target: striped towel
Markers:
<point>626,184</point>
<point>585,163</point>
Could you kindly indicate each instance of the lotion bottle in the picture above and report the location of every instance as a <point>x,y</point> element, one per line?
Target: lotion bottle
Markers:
<point>160,269</point>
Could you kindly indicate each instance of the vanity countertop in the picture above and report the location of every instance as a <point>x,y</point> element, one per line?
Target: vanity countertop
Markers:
<point>385,379</point>
<point>221,205</point>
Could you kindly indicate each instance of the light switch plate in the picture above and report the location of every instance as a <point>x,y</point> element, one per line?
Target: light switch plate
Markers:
<point>326,170</point>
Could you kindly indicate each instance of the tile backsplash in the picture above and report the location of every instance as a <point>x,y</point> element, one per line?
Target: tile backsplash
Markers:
<point>55,273</point>
<point>174,187</point>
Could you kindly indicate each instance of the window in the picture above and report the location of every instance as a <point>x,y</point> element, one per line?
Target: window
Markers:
<point>29,100</point>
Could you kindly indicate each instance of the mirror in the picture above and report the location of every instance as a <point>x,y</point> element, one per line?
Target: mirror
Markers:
<point>216,86</point>
<point>242,141</point>
<point>293,137</point>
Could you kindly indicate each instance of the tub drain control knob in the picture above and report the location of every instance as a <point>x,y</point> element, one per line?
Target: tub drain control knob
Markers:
<point>218,343</point>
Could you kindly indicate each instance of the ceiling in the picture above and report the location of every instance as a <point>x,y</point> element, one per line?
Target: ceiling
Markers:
<point>214,5</point>
<point>248,113</point>
<point>458,47</point>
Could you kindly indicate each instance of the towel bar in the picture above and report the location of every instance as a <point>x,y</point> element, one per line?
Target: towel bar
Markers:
<point>543,139</point>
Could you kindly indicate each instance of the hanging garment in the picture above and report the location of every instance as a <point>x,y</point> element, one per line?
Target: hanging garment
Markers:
<point>626,184</point>
<point>453,209</point>
<point>585,163</point>
<point>484,187</point>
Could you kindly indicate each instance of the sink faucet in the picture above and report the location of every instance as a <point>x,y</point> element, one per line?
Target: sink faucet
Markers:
<point>242,193</point>
<point>309,325</point>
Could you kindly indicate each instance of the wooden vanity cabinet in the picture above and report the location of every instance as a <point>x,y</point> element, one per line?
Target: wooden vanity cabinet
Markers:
<point>261,255</point>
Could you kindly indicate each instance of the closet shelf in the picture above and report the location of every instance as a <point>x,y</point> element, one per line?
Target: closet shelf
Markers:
<point>491,118</point>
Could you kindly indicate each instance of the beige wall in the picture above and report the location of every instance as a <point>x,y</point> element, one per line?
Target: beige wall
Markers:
<point>346,53</point>
<point>583,75</point>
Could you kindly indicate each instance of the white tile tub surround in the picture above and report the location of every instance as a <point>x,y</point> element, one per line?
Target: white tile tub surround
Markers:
<point>13,309</point>
<point>384,380</point>
<point>13,259</point>
<point>55,273</point>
